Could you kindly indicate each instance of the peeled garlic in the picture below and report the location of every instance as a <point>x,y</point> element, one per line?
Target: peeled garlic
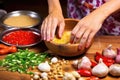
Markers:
<point>109,52</point>
<point>44,76</point>
<point>44,67</point>
<point>75,74</point>
<point>114,70</point>
<point>36,77</point>
<point>85,63</point>
<point>100,70</point>
<point>54,60</point>
<point>68,76</point>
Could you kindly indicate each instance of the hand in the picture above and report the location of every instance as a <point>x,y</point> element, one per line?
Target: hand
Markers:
<point>86,29</point>
<point>53,21</point>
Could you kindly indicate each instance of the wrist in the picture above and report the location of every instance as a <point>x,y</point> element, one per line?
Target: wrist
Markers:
<point>54,6</point>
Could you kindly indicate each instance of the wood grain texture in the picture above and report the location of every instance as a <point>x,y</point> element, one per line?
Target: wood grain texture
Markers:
<point>99,43</point>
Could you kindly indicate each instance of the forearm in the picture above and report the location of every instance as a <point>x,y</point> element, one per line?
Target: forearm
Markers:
<point>107,9</point>
<point>54,5</point>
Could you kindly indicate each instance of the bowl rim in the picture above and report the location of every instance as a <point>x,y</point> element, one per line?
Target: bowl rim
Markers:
<point>16,29</point>
<point>20,12</point>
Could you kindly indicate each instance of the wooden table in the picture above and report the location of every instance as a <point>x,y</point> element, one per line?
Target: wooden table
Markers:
<point>98,45</point>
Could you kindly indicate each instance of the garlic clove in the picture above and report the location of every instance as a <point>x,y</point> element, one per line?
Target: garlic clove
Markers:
<point>44,67</point>
<point>36,77</point>
<point>85,63</point>
<point>68,76</point>
<point>109,52</point>
<point>75,74</point>
<point>54,60</point>
<point>75,64</point>
<point>100,70</point>
<point>114,70</point>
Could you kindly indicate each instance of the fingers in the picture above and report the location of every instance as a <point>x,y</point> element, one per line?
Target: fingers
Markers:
<point>75,37</point>
<point>83,35</point>
<point>84,39</point>
<point>43,30</point>
<point>90,38</point>
<point>61,29</point>
<point>53,28</point>
<point>48,29</point>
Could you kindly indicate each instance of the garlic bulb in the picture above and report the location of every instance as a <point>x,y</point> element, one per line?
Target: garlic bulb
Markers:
<point>100,70</point>
<point>44,67</point>
<point>109,52</point>
<point>85,63</point>
<point>114,70</point>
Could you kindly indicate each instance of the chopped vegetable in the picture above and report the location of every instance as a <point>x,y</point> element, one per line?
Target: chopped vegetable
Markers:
<point>7,49</point>
<point>22,60</point>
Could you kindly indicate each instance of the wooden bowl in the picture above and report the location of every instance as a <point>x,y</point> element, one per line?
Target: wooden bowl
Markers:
<point>67,50</point>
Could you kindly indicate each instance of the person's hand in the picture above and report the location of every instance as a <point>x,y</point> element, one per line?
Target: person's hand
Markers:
<point>52,22</point>
<point>86,29</point>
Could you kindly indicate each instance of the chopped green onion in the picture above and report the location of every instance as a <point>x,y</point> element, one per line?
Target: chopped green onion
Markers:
<point>22,60</point>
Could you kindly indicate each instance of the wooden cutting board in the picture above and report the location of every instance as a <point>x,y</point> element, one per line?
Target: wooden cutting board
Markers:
<point>99,43</point>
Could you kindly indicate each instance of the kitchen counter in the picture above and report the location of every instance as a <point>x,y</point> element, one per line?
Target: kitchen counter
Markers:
<point>98,45</point>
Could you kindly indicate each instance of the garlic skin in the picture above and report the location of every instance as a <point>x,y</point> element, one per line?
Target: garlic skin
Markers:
<point>45,67</point>
<point>100,70</point>
<point>117,59</point>
<point>109,52</point>
<point>75,64</point>
<point>114,70</point>
<point>85,63</point>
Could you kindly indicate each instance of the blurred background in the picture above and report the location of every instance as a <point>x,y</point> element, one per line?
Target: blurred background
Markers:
<point>40,6</point>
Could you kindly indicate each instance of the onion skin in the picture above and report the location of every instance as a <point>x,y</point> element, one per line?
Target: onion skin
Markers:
<point>117,59</point>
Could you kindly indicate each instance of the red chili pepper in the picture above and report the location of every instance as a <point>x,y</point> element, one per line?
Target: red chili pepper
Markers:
<point>93,63</point>
<point>84,72</point>
<point>21,37</point>
<point>107,61</point>
<point>93,78</point>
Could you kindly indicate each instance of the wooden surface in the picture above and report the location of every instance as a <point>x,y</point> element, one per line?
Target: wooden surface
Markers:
<point>98,45</point>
